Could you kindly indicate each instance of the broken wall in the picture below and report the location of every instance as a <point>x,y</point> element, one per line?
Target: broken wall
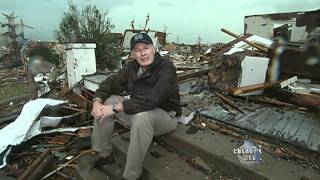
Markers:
<point>299,25</point>
<point>184,48</point>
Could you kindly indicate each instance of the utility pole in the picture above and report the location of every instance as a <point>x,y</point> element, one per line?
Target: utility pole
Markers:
<point>147,20</point>
<point>22,28</point>
<point>199,40</point>
<point>165,28</point>
<point>12,33</point>
<point>165,33</point>
<point>19,48</point>
<point>132,24</point>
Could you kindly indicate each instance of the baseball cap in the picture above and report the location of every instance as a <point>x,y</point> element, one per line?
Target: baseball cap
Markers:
<point>140,38</point>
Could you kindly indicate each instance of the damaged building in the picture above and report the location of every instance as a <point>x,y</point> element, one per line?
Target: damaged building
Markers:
<point>293,26</point>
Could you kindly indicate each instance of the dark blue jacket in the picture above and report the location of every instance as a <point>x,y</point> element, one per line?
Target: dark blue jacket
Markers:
<point>156,87</point>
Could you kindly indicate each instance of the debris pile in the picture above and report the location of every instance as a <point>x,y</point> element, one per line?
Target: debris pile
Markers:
<point>251,88</point>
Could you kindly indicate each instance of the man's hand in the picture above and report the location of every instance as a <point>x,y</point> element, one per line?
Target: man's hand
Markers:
<point>106,111</point>
<point>97,110</point>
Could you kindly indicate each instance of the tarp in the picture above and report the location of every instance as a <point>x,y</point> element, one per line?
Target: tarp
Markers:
<point>20,130</point>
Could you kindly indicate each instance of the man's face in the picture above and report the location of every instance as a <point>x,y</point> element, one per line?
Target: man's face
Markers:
<point>144,54</point>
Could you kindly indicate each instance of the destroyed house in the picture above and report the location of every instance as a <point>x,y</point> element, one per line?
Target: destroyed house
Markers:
<point>184,48</point>
<point>293,26</point>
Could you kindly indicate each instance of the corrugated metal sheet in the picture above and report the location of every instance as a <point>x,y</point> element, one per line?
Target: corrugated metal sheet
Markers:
<point>294,127</point>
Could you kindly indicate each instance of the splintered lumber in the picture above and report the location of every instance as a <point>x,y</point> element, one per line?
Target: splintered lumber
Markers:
<point>224,130</point>
<point>228,101</point>
<point>42,168</point>
<point>37,168</point>
<point>271,101</point>
<point>315,93</point>
<point>82,97</point>
<point>244,40</point>
<point>26,174</point>
<point>65,164</point>
<point>252,88</point>
<point>191,74</point>
<point>74,109</point>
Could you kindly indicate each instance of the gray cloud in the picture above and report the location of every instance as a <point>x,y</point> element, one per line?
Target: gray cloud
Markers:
<point>107,4</point>
<point>295,6</point>
<point>7,5</point>
<point>271,6</point>
<point>165,4</point>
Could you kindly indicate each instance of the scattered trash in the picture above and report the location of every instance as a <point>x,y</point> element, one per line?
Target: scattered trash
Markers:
<point>186,120</point>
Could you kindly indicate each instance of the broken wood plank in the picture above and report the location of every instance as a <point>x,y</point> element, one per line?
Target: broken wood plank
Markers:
<point>252,88</point>
<point>82,97</point>
<point>228,101</point>
<point>244,40</point>
<point>183,68</point>
<point>315,93</point>
<point>42,168</point>
<point>74,109</point>
<point>271,101</point>
<point>191,74</point>
<point>36,163</point>
<point>65,164</point>
<point>87,92</point>
<point>312,102</point>
<point>223,130</point>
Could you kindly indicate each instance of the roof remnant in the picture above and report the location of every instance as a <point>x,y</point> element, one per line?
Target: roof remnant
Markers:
<point>293,127</point>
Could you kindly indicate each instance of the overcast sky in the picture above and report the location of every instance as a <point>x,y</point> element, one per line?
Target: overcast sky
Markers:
<point>186,19</point>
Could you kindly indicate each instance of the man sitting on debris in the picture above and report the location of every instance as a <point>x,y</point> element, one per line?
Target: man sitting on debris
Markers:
<point>154,101</point>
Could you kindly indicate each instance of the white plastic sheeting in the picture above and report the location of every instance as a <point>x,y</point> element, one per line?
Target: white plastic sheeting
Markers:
<point>21,129</point>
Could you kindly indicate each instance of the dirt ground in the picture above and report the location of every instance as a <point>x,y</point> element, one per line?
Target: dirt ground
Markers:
<point>12,89</point>
<point>12,83</point>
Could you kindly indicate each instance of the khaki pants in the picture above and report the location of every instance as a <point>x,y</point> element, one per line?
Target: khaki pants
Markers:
<point>144,126</point>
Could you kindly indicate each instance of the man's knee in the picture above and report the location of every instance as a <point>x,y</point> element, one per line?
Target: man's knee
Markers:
<point>141,119</point>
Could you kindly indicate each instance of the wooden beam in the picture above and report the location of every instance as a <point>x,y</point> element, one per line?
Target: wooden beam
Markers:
<point>271,101</point>
<point>225,99</point>
<point>42,168</point>
<point>252,88</point>
<point>191,74</point>
<point>35,164</point>
<point>244,40</point>
<point>65,164</point>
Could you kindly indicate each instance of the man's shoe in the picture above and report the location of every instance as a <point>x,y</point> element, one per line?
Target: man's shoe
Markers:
<point>98,160</point>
